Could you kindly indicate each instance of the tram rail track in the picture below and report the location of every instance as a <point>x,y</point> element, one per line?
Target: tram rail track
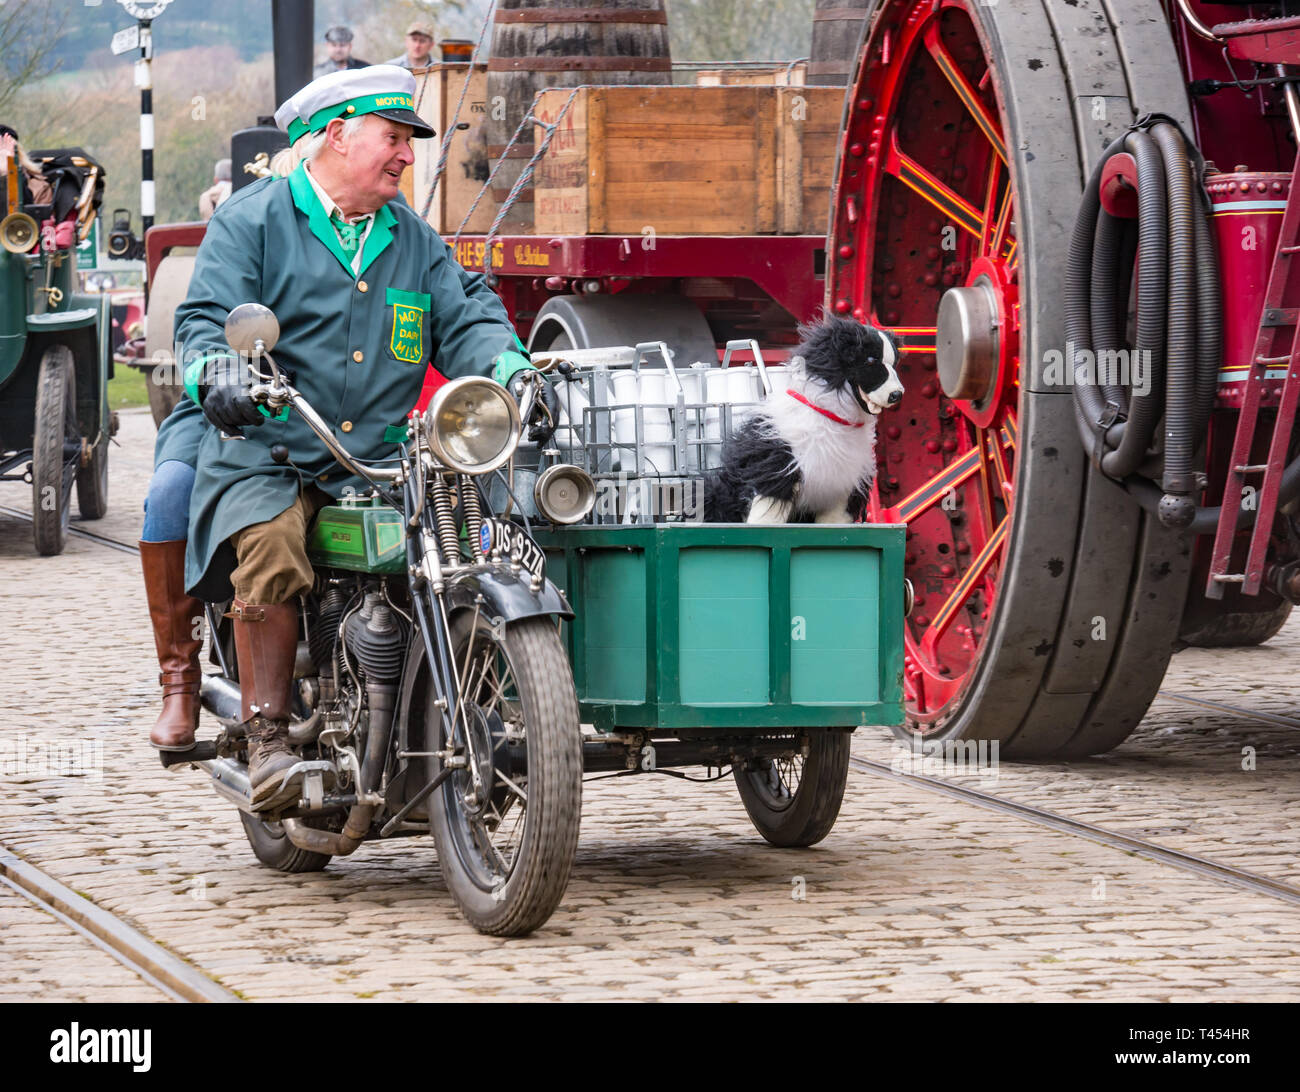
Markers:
<point>1189,862</point>
<point>79,532</point>
<point>150,961</point>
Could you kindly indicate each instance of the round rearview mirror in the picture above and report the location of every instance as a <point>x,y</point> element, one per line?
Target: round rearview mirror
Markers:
<point>250,323</point>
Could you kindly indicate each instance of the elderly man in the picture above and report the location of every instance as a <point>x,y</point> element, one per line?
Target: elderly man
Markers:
<point>346,266</point>
<point>419,40</point>
<point>338,46</point>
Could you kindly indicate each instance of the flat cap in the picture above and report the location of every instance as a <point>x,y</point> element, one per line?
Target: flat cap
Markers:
<point>386,90</point>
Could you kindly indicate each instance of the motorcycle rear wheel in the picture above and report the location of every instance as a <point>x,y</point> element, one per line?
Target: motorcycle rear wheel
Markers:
<point>272,847</point>
<point>506,861</point>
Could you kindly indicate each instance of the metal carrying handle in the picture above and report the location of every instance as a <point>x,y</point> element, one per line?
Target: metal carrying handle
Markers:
<point>645,348</point>
<point>742,344</point>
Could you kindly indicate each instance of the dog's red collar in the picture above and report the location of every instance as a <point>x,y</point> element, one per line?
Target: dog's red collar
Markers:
<point>824,412</point>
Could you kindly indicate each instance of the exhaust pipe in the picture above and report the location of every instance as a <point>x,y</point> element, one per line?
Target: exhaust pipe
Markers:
<point>325,841</point>
<point>220,697</point>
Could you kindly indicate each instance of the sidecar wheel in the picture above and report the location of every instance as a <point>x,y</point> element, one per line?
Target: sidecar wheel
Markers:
<point>795,801</point>
<point>506,859</point>
<point>272,847</point>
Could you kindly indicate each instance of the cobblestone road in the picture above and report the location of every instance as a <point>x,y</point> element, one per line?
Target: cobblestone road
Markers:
<point>912,897</point>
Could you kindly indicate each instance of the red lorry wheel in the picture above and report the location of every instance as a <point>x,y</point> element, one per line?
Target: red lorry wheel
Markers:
<point>1046,602</point>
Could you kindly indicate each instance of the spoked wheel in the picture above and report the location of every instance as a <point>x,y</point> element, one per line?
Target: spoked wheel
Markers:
<point>794,800</point>
<point>506,822</point>
<point>1047,602</point>
<point>56,450</point>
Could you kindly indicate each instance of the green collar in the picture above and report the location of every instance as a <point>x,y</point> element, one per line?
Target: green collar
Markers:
<point>306,201</point>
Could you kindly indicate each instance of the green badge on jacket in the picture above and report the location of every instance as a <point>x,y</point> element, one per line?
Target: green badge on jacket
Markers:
<point>407,341</point>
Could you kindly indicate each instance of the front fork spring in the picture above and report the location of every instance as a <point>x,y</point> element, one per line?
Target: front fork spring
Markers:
<point>445,520</point>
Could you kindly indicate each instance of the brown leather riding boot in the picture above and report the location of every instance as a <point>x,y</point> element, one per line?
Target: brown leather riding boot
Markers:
<point>266,641</point>
<point>176,618</point>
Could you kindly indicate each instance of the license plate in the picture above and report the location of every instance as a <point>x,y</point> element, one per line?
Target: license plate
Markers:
<point>515,543</point>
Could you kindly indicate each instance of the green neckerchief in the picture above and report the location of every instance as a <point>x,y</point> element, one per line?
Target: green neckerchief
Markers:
<point>306,201</point>
<point>349,234</point>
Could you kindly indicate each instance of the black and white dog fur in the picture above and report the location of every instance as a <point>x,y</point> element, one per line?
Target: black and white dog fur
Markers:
<point>808,451</point>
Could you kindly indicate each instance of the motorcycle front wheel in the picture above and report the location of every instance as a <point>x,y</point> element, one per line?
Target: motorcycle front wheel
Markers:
<point>506,838</point>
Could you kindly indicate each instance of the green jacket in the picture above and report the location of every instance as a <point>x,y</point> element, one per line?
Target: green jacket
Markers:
<point>272,243</point>
<point>179,434</point>
<point>182,430</point>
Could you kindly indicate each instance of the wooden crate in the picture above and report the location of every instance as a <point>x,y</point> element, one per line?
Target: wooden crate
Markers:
<point>781,76</point>
<point>437,89</point>
<point>808,129</point>
<point>744,160</point>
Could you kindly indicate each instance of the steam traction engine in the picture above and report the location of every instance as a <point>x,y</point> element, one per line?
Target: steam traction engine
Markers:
<point>1078,217</point>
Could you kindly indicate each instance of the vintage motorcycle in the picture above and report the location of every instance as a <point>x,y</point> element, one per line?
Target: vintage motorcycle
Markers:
<point>433,693</point>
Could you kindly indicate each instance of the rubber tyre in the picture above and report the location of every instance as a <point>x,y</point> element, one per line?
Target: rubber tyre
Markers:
<point>171,284</point>
<point>537,881</point>
<point>1239,629</point>
<point>1041,683</point>
<point>815,803</point>
<point>92,483</point>
<point>590,322</point>
<point>56,422</point>
<point>162,398</point>
<point>272,847</point>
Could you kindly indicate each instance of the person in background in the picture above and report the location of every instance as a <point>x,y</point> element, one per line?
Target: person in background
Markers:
<point>419,40</point>
<point>33,189</point>
<point>338,43</point>
<point>210,198</point>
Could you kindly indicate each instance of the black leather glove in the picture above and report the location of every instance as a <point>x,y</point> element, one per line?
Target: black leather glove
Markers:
<point>546,406</point>
<point>224,398</point>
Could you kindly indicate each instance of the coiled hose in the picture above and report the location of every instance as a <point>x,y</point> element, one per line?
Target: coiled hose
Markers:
<point>1179,329</point>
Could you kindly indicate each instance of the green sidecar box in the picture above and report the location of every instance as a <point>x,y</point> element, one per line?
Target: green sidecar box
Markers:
<point>733,626</point>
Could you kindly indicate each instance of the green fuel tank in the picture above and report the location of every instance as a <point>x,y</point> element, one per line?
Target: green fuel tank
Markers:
<point>364,536</point>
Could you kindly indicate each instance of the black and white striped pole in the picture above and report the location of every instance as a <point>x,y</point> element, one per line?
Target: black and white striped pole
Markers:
<point>145,79</point>
<point>145,13</point>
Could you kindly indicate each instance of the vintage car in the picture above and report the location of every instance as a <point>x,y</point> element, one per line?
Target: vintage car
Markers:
<point>55,354</point>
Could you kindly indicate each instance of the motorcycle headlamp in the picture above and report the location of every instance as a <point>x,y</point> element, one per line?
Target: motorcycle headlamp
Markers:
<point>472,425</point>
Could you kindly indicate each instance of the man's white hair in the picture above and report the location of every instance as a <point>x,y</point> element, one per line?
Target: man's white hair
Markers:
<point>317,140</point>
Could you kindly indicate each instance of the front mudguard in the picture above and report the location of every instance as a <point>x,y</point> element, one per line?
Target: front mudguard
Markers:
<point>505,594</point>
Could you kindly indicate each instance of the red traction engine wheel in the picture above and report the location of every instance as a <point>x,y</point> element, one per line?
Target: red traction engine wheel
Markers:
<point>1047,601</point>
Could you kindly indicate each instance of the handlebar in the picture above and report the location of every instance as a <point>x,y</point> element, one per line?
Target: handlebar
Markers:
<point>279,393</point>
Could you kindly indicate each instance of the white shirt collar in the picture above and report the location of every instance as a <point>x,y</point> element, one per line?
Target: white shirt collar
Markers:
<point>331,208</point>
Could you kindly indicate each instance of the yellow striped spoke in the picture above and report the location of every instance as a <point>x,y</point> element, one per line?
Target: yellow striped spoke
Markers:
<point>968,95</point>
<point>964,588</point>
<point>917,179</point>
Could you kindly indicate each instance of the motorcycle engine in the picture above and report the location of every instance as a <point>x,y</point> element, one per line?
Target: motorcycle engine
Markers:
<point>376,639</point>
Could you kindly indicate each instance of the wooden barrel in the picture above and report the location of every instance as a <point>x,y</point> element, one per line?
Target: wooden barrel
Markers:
<point>562,43</point>
<point>837,28</point>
